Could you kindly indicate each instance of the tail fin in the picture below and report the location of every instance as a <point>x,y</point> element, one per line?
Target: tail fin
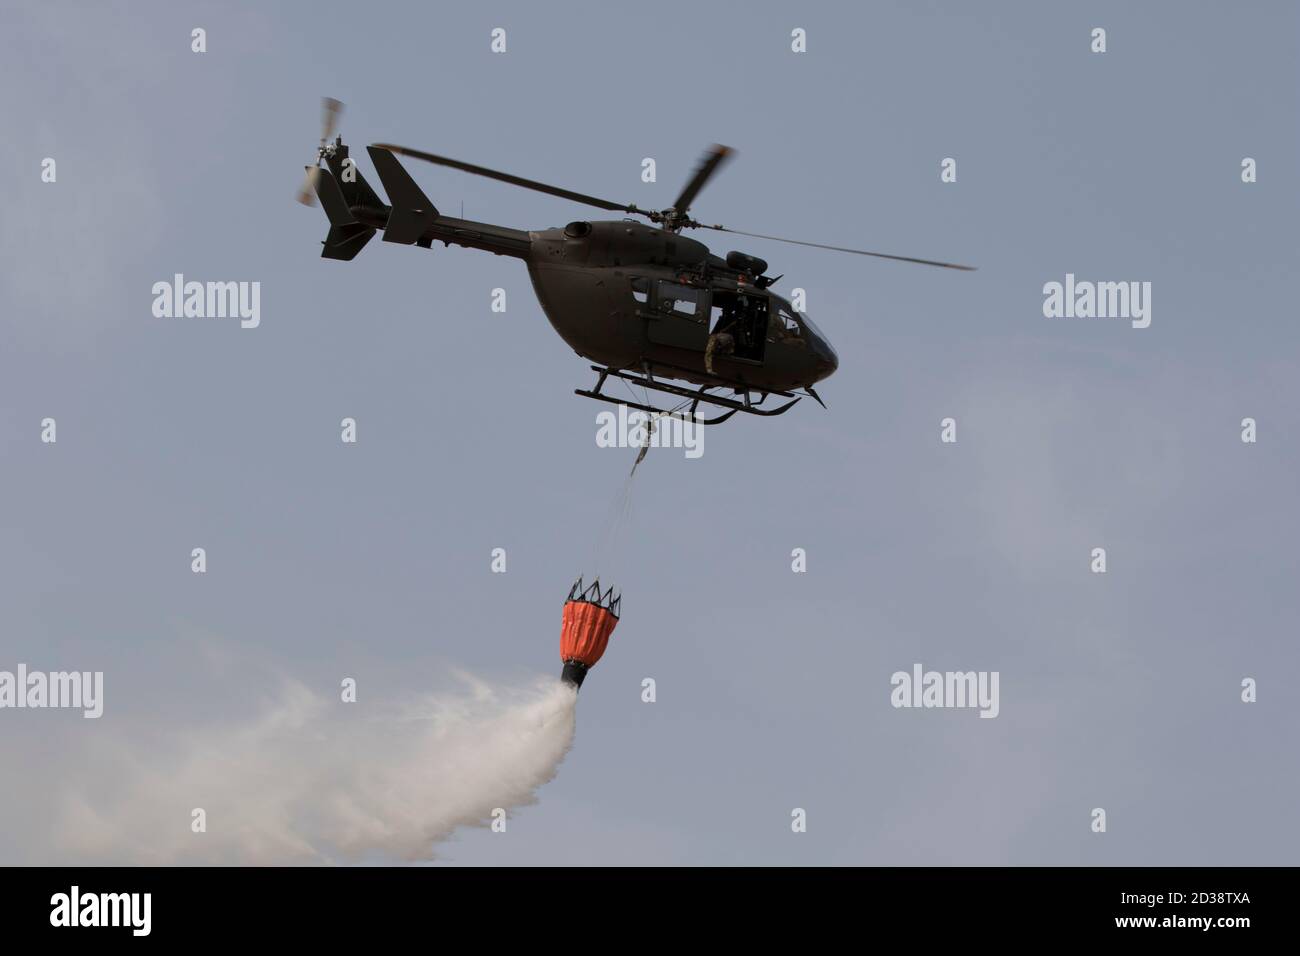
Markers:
<point>342,188</point>
<point>330,195</point>
<point>344,242</point>
<point>356,191</point>
<point>346,237</point>
<point>413,212</point>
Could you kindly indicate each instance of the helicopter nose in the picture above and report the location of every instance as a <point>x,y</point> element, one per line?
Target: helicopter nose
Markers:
<point>827,360</point>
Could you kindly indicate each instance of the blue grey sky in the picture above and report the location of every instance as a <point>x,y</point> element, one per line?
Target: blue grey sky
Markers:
<point>1118,690</point>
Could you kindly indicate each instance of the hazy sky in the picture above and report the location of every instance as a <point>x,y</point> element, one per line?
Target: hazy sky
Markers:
<point>1118,690</point>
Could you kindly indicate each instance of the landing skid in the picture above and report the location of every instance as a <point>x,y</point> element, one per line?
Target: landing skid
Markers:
<point>697,396</point>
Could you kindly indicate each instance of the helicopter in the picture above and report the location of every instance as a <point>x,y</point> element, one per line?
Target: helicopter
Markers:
<point>648,305</point>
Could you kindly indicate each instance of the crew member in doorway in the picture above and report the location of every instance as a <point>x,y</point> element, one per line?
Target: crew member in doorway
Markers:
<point>723,339</point>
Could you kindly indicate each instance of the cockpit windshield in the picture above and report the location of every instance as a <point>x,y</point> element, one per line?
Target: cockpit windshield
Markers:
<point>811,327</point>
<point>789,322</point>
<point>786,324</point>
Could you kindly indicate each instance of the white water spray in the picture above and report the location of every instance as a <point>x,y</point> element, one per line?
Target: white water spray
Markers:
<point>314,780</point>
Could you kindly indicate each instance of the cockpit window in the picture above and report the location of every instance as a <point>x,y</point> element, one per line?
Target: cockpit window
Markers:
<point>641,290</point>
<point>680,300</point>
<point>784,326</point>
<point>811,326</point>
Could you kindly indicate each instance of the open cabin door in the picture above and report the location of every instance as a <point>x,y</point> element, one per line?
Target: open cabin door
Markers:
<point>742,315</point>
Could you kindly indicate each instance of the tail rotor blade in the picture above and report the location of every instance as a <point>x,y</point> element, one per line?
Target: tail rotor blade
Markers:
<point>307,195</point>
<point>330,110</point>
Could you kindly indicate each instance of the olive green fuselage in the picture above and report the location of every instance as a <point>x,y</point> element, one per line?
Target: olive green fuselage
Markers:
<point>632,296</point>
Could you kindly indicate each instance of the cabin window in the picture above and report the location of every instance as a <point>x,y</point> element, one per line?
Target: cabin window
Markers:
<point>641,290</point>
<point>681,300</point>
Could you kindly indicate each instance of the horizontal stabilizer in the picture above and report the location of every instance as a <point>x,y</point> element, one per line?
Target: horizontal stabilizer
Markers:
<point>412,211</point>
<point>344,242</point>
<point>331,197</point>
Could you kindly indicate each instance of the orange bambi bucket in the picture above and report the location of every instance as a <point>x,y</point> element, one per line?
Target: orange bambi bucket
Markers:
<point>589,618</point>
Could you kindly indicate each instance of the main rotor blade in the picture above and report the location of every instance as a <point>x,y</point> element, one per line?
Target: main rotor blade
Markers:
<point>512,180</point>
<point>709,163</point>
<point>330,110</point>
<point>856,252</point>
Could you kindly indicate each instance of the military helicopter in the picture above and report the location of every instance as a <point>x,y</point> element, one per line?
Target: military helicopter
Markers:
<point>650,306</point>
